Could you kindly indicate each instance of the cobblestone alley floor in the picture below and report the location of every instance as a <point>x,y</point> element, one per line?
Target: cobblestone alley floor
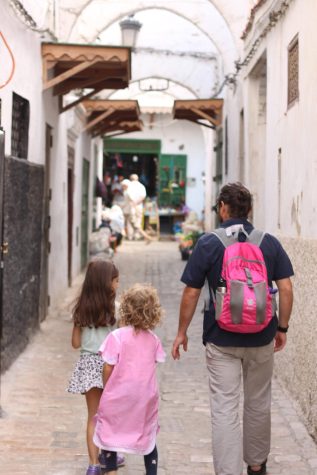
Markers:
<point>43,430</point>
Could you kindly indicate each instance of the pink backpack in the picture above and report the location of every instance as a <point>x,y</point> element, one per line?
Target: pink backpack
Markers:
<point>247,304</point>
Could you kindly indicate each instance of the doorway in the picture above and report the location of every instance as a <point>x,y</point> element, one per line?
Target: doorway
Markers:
<point>84,214</point>
<point>257,129</point>
<point>123,157</point>
<point>70,187</point>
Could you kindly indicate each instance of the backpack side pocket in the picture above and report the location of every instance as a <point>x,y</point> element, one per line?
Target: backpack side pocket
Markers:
<point>236,300</point>
<point>260,290</point>
<point>219,303</point>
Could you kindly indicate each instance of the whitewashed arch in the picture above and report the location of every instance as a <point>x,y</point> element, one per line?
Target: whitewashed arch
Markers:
<point>166,78</point>
<point>219,20</point>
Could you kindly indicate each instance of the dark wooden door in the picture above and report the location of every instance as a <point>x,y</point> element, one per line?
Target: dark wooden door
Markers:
<point>70,222</point>
<point>84,213</point>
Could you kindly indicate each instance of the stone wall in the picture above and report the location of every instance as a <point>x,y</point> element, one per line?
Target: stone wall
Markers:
<point>296,366</point>
<point>23,211</point>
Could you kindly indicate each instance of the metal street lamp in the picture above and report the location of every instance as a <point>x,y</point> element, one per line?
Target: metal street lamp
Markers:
<point>129,30</point>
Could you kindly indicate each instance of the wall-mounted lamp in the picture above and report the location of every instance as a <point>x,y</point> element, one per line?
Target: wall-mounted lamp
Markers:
<point>129,30</point>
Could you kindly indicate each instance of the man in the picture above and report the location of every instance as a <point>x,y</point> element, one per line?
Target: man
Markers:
<point>126,206</point>
<point>227,353</point>
<point>136,193</point>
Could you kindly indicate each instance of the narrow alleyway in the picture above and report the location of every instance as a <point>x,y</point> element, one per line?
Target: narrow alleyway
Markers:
<point>43,427</point>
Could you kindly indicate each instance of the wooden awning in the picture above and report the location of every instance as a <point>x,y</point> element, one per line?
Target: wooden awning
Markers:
<point>197,109</point>
<point>104,116</point>
<point>70,67</point>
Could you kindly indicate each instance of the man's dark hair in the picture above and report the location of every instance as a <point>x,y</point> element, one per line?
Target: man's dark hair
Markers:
<point>237,197</point>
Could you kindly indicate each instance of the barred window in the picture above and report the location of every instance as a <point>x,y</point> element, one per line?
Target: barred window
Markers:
<point>20,127</point>
<point>293,72</point>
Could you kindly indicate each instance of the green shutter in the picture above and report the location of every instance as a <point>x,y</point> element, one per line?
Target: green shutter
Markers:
<point>172,180</point>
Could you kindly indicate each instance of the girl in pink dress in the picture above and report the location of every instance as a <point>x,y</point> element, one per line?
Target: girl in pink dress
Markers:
<point>127,417</point>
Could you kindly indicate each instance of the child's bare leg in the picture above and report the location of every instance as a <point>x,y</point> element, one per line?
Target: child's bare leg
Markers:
<point>92,399</point>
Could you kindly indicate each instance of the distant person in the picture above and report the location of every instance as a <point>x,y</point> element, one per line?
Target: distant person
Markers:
<point>113,219</point>
<point>107,180</point>
<point>241,329</point>
<point>117,190</point>
<point>126,207</point>
<point>135,195</point>
<point>94,318</point>
<point>127,418</point>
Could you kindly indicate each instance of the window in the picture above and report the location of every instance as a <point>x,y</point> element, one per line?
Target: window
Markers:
<point>20,127</point>
<point>293,72</point>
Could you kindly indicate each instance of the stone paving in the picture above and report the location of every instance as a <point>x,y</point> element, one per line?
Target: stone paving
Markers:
<point>43,428</point>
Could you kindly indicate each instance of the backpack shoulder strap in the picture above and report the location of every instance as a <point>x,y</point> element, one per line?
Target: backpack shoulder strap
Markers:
<point>256,237</point>
<point>223,237</point>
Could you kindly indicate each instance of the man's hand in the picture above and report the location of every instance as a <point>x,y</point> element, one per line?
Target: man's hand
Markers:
<point>280,341</point>
<point>187,309</point>
<point>179,340</point>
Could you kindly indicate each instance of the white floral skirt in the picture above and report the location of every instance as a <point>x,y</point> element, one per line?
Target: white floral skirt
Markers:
<point>87,374</point>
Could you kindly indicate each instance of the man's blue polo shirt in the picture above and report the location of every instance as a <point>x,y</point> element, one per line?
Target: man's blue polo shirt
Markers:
<point>206,262</point>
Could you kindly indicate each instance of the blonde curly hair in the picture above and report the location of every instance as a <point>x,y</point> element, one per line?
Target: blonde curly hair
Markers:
<point>140,307</point>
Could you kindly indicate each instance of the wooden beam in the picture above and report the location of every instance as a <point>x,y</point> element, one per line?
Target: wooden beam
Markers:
<point>78,101</point>
<point>92,81</point>
<point>205,116</point>
<point>135,125</point>
<point>67,74</point>
<point>200,123</point>
<point>99,118</point>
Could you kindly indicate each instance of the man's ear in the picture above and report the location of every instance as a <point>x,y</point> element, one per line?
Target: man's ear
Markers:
<point>224,211</point>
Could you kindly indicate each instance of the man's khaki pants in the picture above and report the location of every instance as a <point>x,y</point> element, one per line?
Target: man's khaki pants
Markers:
<point>224,366</point>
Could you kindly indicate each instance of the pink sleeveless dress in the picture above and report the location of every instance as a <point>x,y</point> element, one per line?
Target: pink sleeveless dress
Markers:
<point>127,417</point>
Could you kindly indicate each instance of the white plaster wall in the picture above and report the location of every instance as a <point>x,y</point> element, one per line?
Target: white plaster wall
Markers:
<point>182,138</point>
<point>291,134</point>
<point>83,150</point>
<point>26,82</point>
<point>292,131</point>
<point>58,211</point>
<point>233,104</point>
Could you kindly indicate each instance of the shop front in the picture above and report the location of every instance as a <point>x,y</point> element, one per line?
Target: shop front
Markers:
<point>164,177</point>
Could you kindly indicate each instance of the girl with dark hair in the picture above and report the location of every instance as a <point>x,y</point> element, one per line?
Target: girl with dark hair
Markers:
<point>94,318</point>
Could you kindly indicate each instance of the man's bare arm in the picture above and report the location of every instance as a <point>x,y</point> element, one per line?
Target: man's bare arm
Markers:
<point>187,309</point>
<point>285,289</point>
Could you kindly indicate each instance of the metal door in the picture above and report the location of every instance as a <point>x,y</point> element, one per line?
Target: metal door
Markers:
<point>172,176</point>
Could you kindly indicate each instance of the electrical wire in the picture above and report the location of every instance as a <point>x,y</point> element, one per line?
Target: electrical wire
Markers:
<point>13,62</point>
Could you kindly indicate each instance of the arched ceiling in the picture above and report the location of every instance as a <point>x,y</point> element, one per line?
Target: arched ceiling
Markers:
<point>220,20</point>
<point>153,93</point>
<point>192,43</point>
<point>162,52</point>
<point>229,15</point>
